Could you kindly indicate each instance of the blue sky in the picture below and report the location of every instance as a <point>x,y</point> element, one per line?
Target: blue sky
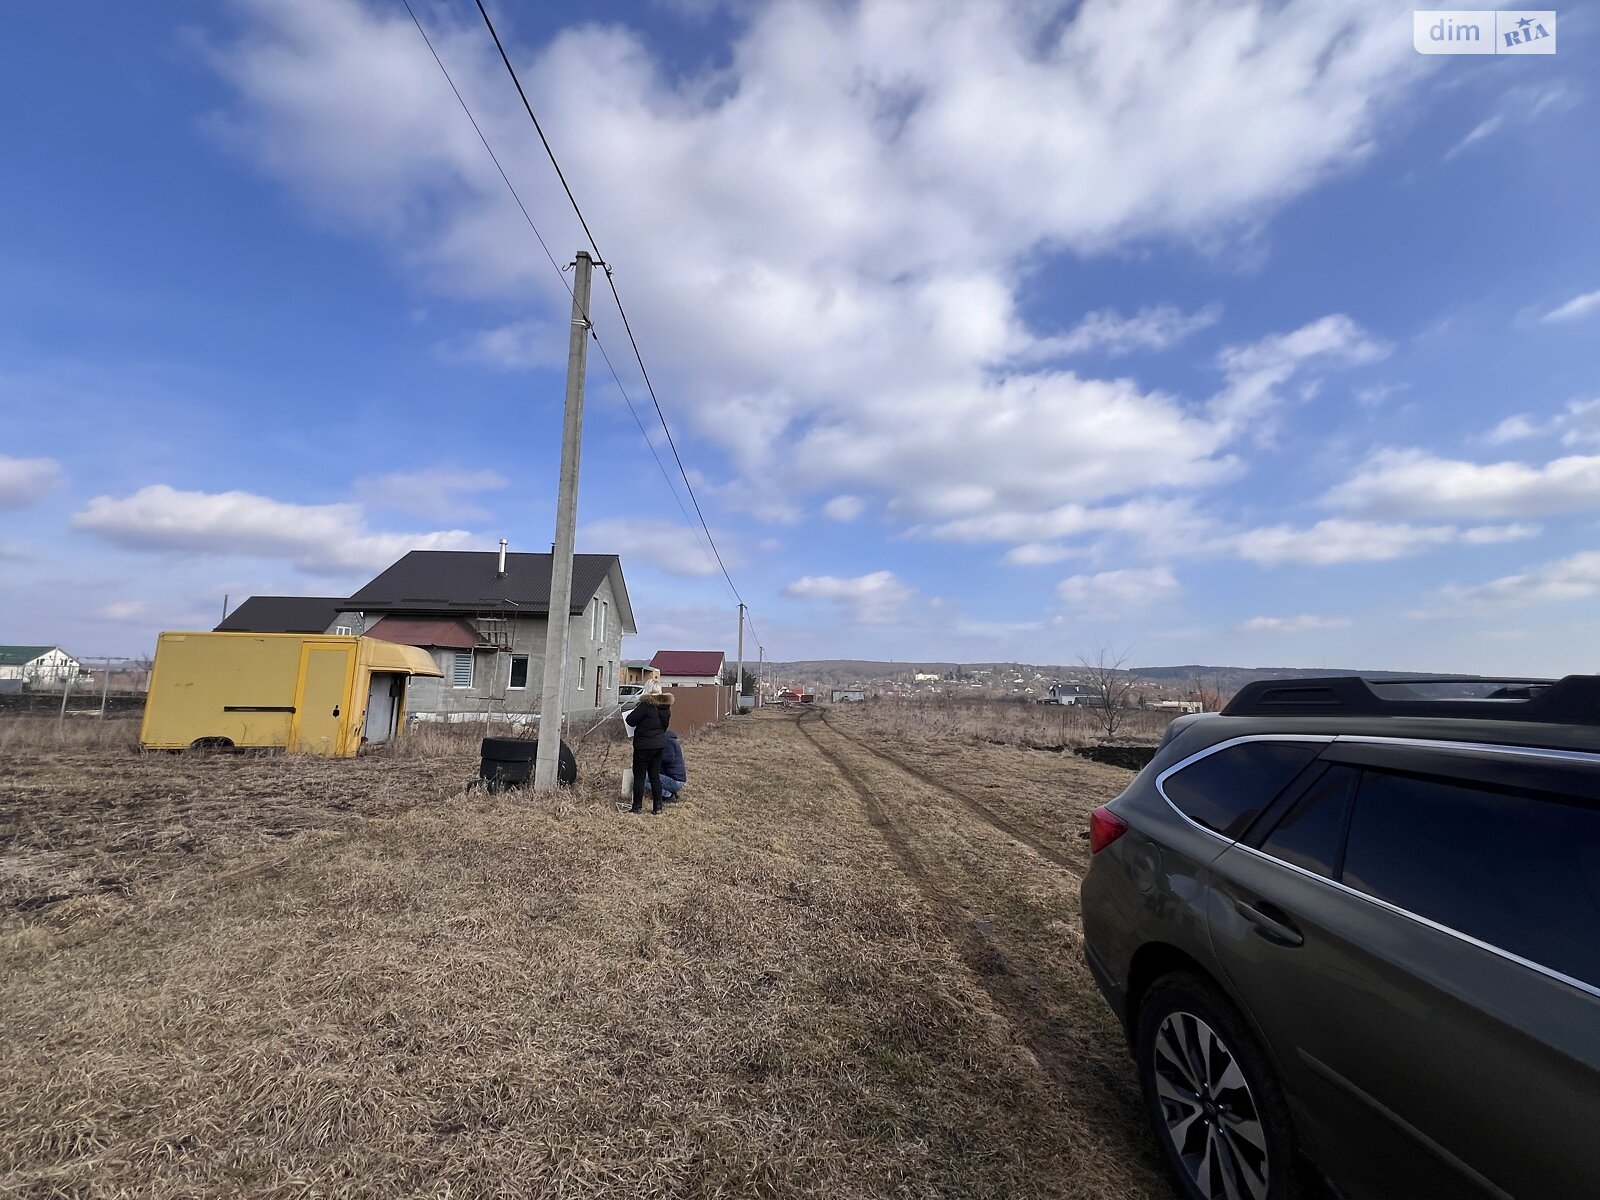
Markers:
<point>1224,332</point>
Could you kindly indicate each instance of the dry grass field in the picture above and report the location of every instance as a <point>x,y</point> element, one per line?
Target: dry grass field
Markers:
<point>822,974</point>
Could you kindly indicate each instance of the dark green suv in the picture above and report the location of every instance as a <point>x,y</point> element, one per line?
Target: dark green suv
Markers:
<point>1355,926</point>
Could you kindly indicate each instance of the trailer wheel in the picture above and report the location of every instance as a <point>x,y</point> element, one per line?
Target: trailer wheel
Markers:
<point>211,745</point>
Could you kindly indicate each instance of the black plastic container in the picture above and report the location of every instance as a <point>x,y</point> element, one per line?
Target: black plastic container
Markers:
<point>508,763</point>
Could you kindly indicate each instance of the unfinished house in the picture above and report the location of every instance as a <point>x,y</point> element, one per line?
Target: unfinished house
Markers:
<point>483,616</point>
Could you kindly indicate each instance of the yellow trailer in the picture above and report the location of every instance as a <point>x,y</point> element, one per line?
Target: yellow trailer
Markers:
<point>314,694</point>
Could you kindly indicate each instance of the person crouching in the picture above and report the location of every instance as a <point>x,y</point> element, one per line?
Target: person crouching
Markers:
<point>673,773</point>
<point>649,718</point>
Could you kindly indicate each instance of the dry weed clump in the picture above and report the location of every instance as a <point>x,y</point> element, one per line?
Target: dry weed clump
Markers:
<point>42,731</point>
<point>416,990</point>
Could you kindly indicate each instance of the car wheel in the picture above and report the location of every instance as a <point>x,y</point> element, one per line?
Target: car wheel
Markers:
<point>1213,1102</point>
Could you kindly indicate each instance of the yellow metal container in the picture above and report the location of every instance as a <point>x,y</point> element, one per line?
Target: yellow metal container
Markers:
<point>313,694</point>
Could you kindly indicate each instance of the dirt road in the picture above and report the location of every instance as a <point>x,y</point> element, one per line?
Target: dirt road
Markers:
<point>1006,891</point>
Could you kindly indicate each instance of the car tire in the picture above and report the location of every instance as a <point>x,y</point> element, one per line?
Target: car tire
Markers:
<point>1212,1098</point>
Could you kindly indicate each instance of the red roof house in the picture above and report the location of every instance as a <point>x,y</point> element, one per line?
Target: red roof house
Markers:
<point>687,668</point>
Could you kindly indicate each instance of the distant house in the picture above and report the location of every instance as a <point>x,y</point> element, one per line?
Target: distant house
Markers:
<point>484,617</point>
<point>46,665</point>
<point>789,696</point>
<point>636,670</point>
<point>689,668</point>
<point>1071,693</point>
<point>1179,706</point>
<point>848,695</point>
<point>285,614</point>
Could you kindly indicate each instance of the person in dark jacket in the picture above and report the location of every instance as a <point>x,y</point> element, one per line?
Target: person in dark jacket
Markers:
<point>673,773</point>
<point>649,718</point>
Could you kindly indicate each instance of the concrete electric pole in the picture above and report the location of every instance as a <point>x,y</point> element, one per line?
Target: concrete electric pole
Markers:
<point>547,764</point>
<point>738,680</point>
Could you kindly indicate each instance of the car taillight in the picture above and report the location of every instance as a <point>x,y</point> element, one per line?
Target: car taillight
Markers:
<point>1105,827</point>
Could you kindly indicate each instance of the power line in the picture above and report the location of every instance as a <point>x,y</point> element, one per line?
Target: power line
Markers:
<point>561,275</point>
<point>615,295</point>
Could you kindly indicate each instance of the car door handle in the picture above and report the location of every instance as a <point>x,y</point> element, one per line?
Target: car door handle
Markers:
<point>1270,923</point>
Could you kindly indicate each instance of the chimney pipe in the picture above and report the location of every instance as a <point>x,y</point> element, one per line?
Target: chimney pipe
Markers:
<point>501,570</point>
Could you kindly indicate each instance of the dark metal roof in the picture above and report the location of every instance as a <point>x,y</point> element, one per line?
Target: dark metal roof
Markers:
<point>464,581</point>
<point>283,614</point>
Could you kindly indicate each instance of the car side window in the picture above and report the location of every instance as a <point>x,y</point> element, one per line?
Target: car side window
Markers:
<point>1311,834</point>
<point>1227,790</point>
<point>1518,870</point>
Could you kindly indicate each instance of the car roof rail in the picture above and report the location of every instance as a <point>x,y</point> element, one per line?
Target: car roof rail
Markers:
<point>1574,700</point>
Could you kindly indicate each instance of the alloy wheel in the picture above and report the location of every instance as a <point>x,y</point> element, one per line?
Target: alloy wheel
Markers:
<point>1208,1112</point>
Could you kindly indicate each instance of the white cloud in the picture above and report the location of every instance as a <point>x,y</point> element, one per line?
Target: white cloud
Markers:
<point>1119,591</point>
<point>1516,428</point>
<point>1578,424</point>
<point>1577,307</point>
<point>1255,371</point>
<point>431,492</point>
<point>1375,394</point>
<point>15,552</point>
<point>1414,483</point>
<point>844,508</point>
<point>1518,107</point>
<point>874,599</point>
<point>1576,577</point>
<point>1035,554</point>
<point>669,546</point>
<point>1148,520</point>
<point>127,610</point>
<point>839,293</point>
<point>327,539</point>
<point>1479,132</point>
<point>1338,540</point>
<point>1108,332</point>
<point>1304,623</point>
<point>25,480</point>
<point>516,346</point>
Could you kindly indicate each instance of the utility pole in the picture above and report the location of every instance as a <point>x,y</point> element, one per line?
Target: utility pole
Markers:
<point>105,687</point>
<point>761,672</point>
<point>738,680</point>
<point>66,690</point>
<point>224,606</point>
<point>547,762</point>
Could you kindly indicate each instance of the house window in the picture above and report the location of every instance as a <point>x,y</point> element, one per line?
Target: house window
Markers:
<point>519,671</point>
<point>583,670</point>
<point>343,631</point>
<point>461,669</point>
<point>605,618</point>
<point>594,622</point>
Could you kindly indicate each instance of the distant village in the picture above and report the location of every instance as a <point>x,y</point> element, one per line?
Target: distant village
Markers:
<point>847,682</point>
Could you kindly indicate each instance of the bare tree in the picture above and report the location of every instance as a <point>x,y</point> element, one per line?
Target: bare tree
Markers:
<point>1108,683</point>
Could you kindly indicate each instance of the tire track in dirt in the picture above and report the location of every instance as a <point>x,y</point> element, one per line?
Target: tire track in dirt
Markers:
<point>1014,990</point>
<point>976,807</point>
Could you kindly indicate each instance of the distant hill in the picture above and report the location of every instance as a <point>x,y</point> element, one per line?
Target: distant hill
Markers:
<point>1223,679</point>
